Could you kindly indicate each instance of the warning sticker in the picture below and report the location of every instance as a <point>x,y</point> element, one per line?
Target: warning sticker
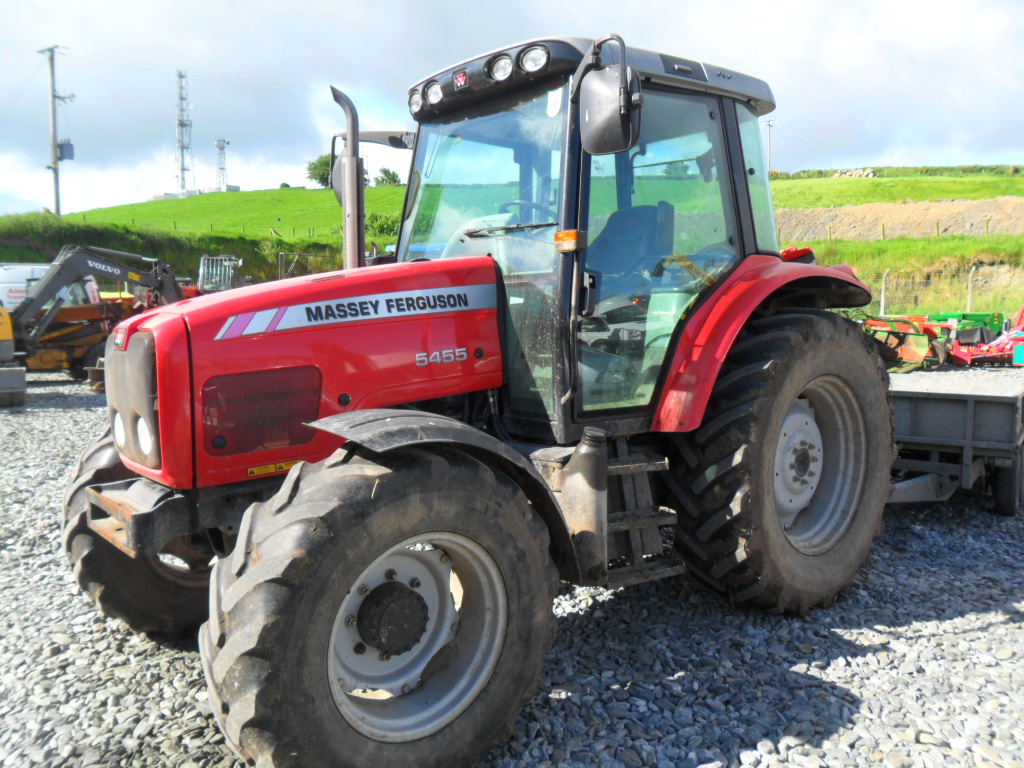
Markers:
<point>269,469</point>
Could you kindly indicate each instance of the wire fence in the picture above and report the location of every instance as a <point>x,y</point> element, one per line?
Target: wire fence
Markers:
<point>995,288</point>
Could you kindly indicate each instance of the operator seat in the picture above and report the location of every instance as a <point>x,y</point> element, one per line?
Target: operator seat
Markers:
<point>633,239</point>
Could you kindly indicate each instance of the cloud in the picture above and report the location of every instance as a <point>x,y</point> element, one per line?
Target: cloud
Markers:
<point>872,82</point>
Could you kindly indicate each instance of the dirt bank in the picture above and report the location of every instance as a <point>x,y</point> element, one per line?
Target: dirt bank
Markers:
<point>1005,215</point>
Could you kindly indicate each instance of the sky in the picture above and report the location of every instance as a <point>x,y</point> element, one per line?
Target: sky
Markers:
<point>858,83</point>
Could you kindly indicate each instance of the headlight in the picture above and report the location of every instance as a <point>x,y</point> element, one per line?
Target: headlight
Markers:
<point>501,67</point>
<point>434,92</point>
<point>145,437</point>
<point>119,431</point>
<point>415,102</point>
<point>534,59</point>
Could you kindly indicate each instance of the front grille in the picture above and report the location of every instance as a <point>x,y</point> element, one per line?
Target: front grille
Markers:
<point>131,386</point>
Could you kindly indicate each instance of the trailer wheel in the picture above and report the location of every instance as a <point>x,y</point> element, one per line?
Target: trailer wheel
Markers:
<point>788,476</point>
<point>166,595</point>
<point>1006,489</point>
<point>391,610</point>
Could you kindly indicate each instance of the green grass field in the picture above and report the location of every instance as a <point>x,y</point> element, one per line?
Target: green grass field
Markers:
<point>291,212</point>
<point>824,193</point>
<point>313,212</point>
<point>907,254</point>
<point>260,224</point>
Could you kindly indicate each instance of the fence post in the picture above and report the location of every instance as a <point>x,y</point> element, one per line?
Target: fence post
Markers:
<point>883,230</point>
<point>970,289</point>
<point>986,225</point>
<point>243,229</point>
<point>830,233</point>
<point>881,303</point>
<point>936,229</point>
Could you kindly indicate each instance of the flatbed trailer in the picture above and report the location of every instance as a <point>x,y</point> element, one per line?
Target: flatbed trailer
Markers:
<point>956,428</point>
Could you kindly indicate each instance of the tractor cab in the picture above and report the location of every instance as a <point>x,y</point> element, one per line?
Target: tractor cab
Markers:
<point>602,254</point>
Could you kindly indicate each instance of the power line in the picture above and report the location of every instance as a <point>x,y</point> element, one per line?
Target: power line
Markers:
<point>214,78</point>
<point>22,87</point>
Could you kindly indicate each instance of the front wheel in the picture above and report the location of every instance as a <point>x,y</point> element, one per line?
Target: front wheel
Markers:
<point>788,476</point>
<point>167,595</point>
<point>392,610</point>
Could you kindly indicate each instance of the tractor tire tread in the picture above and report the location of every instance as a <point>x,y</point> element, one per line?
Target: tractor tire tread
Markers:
<point>716,542</point>
<point>242,635</point>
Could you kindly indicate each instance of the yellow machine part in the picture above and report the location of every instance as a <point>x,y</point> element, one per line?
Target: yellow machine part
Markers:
<point>48,360</point>
<point>6,329</point>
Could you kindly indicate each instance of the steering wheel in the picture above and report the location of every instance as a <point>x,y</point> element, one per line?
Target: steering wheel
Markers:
<point>723,248</point>
<point>650,343</point>
<point>504,207</point>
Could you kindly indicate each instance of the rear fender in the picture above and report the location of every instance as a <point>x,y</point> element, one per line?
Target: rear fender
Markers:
<point>384,429</point>
<point>758,282</point>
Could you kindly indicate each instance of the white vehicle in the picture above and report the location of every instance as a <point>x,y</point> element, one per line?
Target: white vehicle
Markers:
<point>14,282</point>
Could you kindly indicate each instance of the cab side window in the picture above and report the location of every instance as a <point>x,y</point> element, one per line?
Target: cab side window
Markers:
<point>757,180</point>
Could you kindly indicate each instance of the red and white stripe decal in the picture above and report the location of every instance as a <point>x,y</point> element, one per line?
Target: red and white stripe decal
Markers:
<point>377,306</point>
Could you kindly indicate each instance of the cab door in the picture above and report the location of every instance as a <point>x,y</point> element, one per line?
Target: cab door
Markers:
<point>662,229</point>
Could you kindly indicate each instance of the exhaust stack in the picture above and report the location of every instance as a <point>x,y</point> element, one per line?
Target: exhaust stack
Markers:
<point>347,183</point>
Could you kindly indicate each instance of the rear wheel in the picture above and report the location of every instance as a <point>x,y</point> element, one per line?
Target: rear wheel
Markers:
<point>392,610</point>
<point>167,595</point>
<point>786,481</point>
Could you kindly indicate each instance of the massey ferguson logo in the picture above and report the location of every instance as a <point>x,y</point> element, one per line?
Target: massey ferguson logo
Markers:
<point>103,267</point>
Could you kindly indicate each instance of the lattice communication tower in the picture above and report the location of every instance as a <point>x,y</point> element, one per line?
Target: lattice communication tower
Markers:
<point>222,168</point>
<point>184,158</point>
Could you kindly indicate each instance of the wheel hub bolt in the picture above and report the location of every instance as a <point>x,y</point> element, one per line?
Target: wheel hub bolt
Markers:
<point>391,574</point>
<point>455,629</point>
<point>350,621</point>
<point>444,558</point>
<point>385,657</point>
<point>359,648</point>
<point>415,583</point>
<point>364,590</point>
<point>406,689</point>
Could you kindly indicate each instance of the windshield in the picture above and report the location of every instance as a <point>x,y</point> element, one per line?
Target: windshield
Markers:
<point>487,181</point>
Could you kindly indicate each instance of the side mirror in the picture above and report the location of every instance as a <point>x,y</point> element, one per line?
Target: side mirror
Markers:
<point>610,101</point>
<point>604,130</point>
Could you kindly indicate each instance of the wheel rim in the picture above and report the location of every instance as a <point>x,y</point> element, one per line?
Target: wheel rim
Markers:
<point>184,564</point>
<point>820,465</point>
<point>417,637</point>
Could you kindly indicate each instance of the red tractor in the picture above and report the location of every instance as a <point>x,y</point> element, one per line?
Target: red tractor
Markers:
<point>369,483</point>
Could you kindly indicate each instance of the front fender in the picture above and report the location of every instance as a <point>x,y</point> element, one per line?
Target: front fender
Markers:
<point>386,429</point>
<point>709,334</point>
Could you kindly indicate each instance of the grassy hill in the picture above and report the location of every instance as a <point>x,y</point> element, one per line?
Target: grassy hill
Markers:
<point>259,225</point>
<point>312,213</point>
<point>290,212</point>
<point>826,192</point>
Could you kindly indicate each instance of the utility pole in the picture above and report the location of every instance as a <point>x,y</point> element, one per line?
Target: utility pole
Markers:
<point>58,150</point>
<point>769,123</point>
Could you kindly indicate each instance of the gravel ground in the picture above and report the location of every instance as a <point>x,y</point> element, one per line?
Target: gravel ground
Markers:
<point>921,663</point>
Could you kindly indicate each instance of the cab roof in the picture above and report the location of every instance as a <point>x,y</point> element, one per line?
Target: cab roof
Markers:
<point>566,53</point>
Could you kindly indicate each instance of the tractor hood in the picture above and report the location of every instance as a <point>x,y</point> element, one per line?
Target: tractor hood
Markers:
<point>244,370</point>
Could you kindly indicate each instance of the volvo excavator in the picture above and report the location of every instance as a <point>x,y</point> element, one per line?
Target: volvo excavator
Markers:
<point>48,332</point>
